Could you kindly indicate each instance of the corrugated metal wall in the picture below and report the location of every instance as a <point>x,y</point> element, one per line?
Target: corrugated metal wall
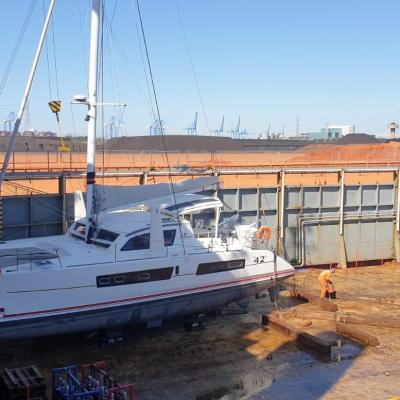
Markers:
<point>35,216</point>
<point>310,219</point>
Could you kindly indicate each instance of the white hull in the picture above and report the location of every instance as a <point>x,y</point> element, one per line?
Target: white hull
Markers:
<point>56,301</point>
<point>129,314</point>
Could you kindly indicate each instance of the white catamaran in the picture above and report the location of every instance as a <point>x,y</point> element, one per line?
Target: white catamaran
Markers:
<point>136,256</point>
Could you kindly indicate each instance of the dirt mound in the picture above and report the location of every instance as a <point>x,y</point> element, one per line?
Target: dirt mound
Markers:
<point>326,154</point>
<point>358,138</point>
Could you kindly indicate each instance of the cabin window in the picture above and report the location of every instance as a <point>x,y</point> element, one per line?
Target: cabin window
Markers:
<point>139,242</point>
<point>142,242</point>
<point>104,234</point>
<point>101,237</point>
<point>169,237</point>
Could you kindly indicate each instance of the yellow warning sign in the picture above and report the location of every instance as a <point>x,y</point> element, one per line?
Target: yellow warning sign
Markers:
<point>55,106</point>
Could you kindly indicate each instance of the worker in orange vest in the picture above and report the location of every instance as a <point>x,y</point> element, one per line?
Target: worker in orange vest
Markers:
<point>325,282</point>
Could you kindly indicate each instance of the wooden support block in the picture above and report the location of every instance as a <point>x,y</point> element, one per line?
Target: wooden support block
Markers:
<point>357,333</point>
<point>281,325</point>
<point>325,304</point>
<point>318,344</point>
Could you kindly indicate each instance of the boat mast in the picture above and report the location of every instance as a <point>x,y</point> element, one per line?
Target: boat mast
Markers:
<point>91,116</point>
<point>26,93</point>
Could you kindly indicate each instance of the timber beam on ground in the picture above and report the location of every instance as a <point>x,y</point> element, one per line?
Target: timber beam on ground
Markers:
<point>320,345</point>
<point>357,333</point>
<point>312,297</point>
<point>324,304</point>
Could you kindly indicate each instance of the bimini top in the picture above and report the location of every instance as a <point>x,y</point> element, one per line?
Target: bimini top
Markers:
<point>113,197</point>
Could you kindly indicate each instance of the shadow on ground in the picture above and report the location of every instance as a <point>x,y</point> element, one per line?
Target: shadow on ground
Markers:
<point>233,358</point>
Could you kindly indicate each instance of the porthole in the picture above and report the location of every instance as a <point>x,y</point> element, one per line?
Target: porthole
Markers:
<point>104,281</point>
<point>119,279</point>
<point>145,276</point>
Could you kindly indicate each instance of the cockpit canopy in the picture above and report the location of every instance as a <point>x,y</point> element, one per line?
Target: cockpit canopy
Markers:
<point>115,225</point>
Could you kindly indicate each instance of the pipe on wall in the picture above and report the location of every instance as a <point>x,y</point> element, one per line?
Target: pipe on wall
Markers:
<point>302,221</point>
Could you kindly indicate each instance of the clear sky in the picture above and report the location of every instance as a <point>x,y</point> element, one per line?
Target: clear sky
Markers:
<point>326,61</point>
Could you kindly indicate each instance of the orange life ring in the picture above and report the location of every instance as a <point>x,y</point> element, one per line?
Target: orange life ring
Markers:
<point>264,231</point>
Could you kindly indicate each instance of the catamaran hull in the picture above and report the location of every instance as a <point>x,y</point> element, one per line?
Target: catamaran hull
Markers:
<point>129,314</point>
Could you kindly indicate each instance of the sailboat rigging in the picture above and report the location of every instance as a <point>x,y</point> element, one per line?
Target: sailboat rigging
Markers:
<point>138,254</point>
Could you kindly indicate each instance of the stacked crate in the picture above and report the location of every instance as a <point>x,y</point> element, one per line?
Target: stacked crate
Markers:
<point>25,383</point>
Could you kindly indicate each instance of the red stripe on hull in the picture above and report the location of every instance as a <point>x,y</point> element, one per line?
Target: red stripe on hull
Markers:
<point>248,279</point>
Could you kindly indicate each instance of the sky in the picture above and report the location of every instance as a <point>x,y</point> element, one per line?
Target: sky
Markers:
<point>269,62</point>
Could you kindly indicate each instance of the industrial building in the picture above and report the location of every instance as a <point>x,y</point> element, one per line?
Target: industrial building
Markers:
<point>332,132</point>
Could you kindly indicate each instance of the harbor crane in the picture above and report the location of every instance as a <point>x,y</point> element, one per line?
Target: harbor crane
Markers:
<point>220,130</point>
<point>9,122</point>
<point>237,133</point>
<point>192,129</point>
<point>112,128</point>
<point>157,127</point>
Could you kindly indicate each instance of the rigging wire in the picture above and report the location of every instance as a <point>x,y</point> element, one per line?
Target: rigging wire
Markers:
<point>55,56</point>
<point>113,13</point>
<point>47,58</point>
<point>38,201</point>
<point>102,85</point>
<point>192,65</point>
<point>143,60</point>
<point>144,69</point>
<point>115,44</point>
<point>106,46</point>
<point>17,45</point>
<point>161,125</point>
<point>113,68</point>
<point>133,75</point>
<point>24,187</point>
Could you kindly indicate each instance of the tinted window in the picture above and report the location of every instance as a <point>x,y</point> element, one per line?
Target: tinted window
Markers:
<point>106,235</point>
<point>169,237</point>
<point>140,242</point>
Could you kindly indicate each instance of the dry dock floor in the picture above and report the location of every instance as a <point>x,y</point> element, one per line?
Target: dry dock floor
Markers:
<point>236,357</point>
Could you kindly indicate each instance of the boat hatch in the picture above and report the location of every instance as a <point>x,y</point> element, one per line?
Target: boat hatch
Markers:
<point>24,255</point>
